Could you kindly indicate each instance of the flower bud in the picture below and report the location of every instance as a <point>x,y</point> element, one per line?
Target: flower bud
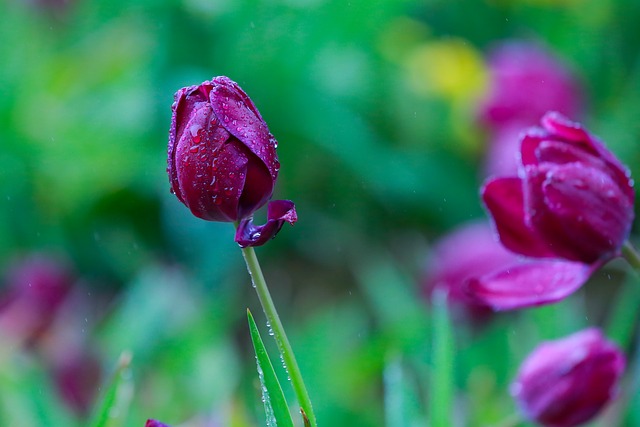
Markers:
<point>222,160</point>
<point>566,382</point>
<point>572,198</point>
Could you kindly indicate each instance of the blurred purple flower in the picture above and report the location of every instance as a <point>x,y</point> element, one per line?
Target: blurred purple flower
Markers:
<point>222,160</point>
<point>36,288</point>
<point>566,382</point>
<point>526,82</point>
<point>154,423</point>
<point>77,374</point>
<point>470,251</point>
<point>572,202</point>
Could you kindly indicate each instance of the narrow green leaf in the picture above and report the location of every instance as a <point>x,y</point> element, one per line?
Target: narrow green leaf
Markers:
<point>442,388</point>
<point>401,402</point>
<point>112,410</point>
<point>622,320</point>
<point>275,404</point>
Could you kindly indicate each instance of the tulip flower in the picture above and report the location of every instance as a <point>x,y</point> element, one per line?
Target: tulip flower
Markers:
<point>570,209</point>
<point>468,252</point>
<point>526,81</point>
<point>566,382</point>
<point>222,160</point>
<point>37,287</point>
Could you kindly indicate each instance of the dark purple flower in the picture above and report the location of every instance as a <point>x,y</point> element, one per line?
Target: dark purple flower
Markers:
<point>222,160</point>
<point>37,287</point>
<point>154,423</point>
<point>570,209</point>
<point>468,252</point>
<point>566,382</point>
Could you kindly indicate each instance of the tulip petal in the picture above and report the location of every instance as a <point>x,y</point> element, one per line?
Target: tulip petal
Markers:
<point>240,120</point>
<point>573,132</point>
<point>154,423</point>
<point>504,200</point>
<point>278,212</point>
<point>529,284</point>
<point>591,209</point>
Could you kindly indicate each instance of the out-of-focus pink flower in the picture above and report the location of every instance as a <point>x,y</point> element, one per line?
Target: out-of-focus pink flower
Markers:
<point>571,204</point>
<point>77,374</point>
<point>36,288</point>
<point>566,382</point>
<point>526,81</point>
<point>468,252</point>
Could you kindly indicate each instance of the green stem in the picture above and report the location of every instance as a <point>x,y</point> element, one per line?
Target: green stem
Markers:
<point>631,255</point>
<point>512,421</point>
<point>278,332</point>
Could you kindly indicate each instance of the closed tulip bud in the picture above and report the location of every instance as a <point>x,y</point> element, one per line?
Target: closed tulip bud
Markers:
<point>572,198</point>
<point>222,160</point>
<point>566,382</point>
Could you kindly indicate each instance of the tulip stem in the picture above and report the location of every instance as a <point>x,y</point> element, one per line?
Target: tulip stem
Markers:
<point>631,255</point>
<point>280,336</point>
<point>512,421</point>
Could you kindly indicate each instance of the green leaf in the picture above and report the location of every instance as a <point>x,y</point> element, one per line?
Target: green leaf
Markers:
<point>112,410</point>
<point>401,402</point>
<point>441,388</point>
<point>275,404</point>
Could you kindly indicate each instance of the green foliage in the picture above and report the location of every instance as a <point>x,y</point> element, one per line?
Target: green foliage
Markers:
<point>379,161</point>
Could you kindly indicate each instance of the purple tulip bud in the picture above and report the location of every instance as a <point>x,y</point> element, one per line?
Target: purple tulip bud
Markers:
<point>154,423</point>
<point>572,199</point>
<point>468,252</point>
<point>526,82</point>
<point>566,382</point>
<point>222,160</point>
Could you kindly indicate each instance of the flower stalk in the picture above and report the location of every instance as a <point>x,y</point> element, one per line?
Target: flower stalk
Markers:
<point>288,357</point>
<point>631,255</point>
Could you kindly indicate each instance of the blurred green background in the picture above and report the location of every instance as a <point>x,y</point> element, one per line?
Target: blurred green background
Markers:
<point>373,103</point>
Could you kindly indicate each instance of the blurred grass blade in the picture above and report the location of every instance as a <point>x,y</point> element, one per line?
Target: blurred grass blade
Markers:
<point>112,410</point>
<point>441,385</point>
<point>275,404</point>
<point>622,318</point>
<point>401,403</point>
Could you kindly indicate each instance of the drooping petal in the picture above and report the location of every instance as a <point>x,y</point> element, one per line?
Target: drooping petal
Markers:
<point>529,284</point>
<point>590,207</point>
<point>504,200</point>
<point>278,212</point>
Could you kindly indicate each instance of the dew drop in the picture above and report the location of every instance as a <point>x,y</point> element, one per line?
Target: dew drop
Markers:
<point>194,148</point>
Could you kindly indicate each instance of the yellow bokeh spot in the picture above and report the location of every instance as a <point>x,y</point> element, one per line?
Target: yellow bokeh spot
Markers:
<point>449,68</point>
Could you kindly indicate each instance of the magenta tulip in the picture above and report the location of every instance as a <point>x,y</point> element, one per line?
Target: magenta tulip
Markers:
<point>566,382</point>
<point>569,210</point>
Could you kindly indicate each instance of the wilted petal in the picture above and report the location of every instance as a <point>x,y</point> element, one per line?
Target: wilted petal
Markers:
<point>529,284</point>
<point>278,212</point>
<point>504,199</point>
